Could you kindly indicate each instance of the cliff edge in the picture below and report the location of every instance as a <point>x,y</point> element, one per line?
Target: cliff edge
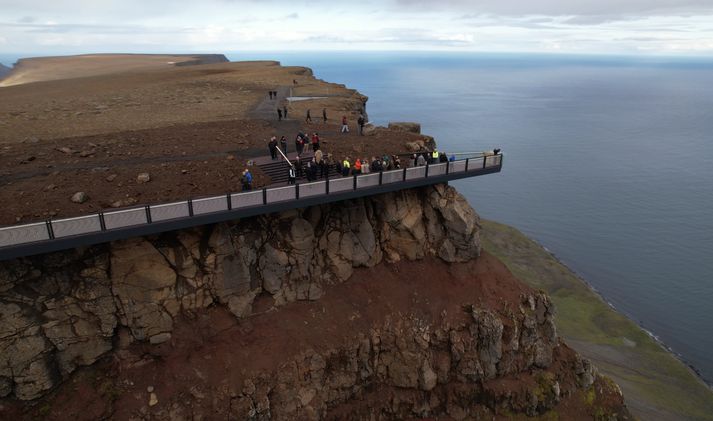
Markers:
<point>372,308</point>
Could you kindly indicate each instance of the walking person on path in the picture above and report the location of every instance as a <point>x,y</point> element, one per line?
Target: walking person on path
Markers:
<point>360,122</point>
<point>284,111</point>
<point>308,119</point>
<point>345,126</point>
<point>324,115</point>
<point>283,144</point>
<point>279,114</point>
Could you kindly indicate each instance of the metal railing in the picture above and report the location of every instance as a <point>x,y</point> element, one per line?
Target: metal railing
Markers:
<point>114,220</point>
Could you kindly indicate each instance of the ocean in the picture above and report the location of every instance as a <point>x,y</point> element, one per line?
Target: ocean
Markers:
<point>608,163</point>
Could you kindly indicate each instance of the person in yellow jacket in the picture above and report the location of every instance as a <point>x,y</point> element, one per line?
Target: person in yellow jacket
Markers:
<point>434,156</point>
<point>345,167</point>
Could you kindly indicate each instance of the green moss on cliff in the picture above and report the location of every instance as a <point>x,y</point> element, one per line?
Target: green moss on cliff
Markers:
<point>656,385</point>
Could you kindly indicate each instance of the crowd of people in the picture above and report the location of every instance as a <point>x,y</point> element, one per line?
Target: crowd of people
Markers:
<point>321,164</point>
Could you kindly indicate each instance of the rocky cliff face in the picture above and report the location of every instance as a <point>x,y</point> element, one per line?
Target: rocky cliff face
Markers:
<point>410,367</point>
<point>421,338</point>
<point>61,311</point>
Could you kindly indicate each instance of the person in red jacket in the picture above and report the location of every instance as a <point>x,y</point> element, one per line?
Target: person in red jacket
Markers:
<point>315,142</point>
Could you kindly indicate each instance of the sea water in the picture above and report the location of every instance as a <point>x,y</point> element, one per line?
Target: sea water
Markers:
<point>608,163</point>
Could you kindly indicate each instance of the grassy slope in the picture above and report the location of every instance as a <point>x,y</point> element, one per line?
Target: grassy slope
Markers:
<point>656,384</point>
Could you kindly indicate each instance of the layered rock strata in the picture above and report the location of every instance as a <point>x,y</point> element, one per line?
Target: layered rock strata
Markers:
<point>61,311</point>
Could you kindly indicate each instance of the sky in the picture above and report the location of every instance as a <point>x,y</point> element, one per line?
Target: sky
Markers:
<point>637,27</point>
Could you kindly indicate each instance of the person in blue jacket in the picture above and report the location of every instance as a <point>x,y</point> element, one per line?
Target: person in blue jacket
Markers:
<point>247,180</point>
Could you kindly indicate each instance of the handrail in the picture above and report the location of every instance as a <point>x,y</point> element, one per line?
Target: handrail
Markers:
<point>284,156</point>
<point>140,219</point>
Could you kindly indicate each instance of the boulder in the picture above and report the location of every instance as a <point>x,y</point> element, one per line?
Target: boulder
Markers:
<point>80,197</point>
<point>369,129</point>
<point>405,127</point>
<point>143,177</point>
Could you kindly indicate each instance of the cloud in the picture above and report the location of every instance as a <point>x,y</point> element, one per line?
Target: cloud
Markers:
<point>565,7</point>
<point>480,25</point>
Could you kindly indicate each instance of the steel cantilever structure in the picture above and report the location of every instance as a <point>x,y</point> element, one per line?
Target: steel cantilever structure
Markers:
<point>53,235</point>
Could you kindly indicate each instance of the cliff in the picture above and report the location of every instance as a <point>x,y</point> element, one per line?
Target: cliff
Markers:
<point>4,70</point>
<point>377,307</point>
<point>42,69</point>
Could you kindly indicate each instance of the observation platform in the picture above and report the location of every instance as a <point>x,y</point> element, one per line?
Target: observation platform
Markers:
<point>59,234</point>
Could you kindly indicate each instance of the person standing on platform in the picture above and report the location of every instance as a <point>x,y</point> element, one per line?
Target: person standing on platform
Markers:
<point>247,180</point>
<point>315,142</point>
<point>283,144</point>
<point>420,161</point>
<point>272,145</point>
<point>345,126</point>
<point>291,175</point>
<point>346,166</point>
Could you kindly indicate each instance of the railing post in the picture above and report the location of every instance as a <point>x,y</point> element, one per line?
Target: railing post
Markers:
<point>404,174</point>
<point>50,231</point>
<point>148,214</point>
<point>264,195</point>
<point>427,170</point>
<point>102,223</point>
<point>190,207</point>
<point>230,201</point>
<point>326,186</point>
<point>355,182</point>
<point>485,159</point>
<point>297,190</point>
<point>448,167</point>
<point>381,177</point>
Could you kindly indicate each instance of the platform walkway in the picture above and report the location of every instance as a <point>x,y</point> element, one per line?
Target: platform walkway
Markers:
<point>111,225</point>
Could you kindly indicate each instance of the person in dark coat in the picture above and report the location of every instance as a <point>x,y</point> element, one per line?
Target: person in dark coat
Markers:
<point>324,114</point>
<point>360,122</point>
<point>283,144</point>
<point>279,114</point>
<point>308,119</point>
<point>284,111</point>
<point>299,144</point>
<point>272,145</point>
